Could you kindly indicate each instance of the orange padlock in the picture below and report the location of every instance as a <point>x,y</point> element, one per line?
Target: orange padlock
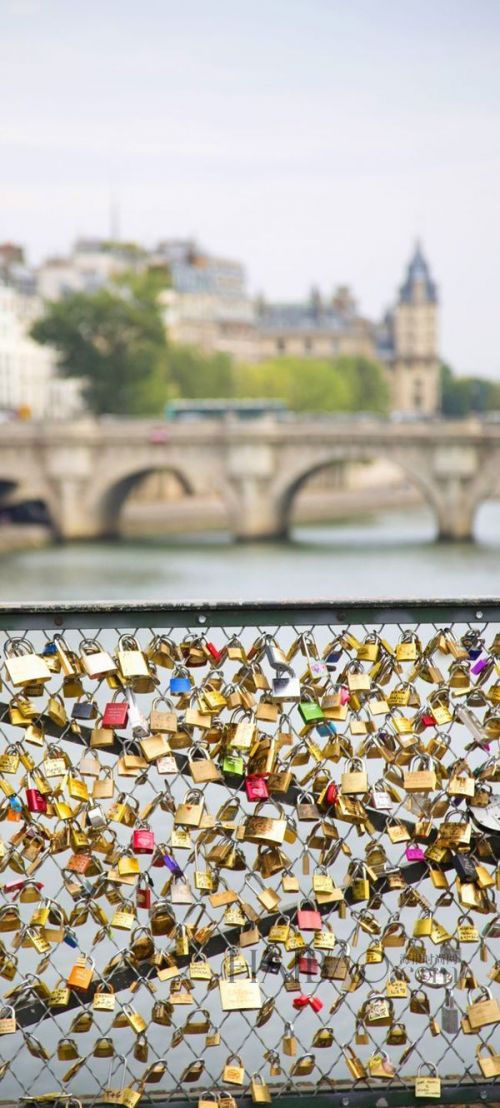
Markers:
<point>81,974</point>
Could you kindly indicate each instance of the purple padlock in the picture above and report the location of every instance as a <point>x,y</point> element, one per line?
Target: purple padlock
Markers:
<point>414,854</point>
<point>479,665</point>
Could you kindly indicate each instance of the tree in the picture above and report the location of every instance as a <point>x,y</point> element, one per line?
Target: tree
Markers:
<point>368,383</point>
<point>461,396</point>
<point>114,339</point>
<point>194,375</point>
<point>308,384</point>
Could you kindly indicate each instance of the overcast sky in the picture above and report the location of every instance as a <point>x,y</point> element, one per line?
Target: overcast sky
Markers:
<point>312,139</point>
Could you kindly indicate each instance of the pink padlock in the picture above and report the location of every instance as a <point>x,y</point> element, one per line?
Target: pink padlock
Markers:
<point>143,840</point>
<point>35,801</point>
<point>414,854</point>
<point>256,788</point>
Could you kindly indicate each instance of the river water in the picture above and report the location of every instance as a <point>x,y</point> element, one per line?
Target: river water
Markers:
<point>389,554</point>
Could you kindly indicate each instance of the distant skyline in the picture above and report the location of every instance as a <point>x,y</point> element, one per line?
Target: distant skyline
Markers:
<point>313,140</point>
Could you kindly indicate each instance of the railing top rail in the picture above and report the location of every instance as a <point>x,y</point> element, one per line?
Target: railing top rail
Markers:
<point>234,613</point>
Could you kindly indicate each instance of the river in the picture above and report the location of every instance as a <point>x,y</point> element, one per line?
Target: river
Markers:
<point>389,554</point>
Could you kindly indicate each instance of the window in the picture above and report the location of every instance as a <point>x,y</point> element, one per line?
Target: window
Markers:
<point>307,346</point>
<point>280,346</point>
<point>417,395</point>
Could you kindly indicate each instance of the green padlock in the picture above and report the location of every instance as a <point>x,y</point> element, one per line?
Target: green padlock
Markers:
<point>311,711</point>
<point>233,763</point>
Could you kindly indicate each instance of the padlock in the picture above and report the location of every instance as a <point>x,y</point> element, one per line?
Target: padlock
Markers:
<point>143,840</point>
<point>236,995</point>
<point>143,895</point>
<point>80,976</point>
<point>308,964</point>
<point>67,1050</point>
<point>256,788</point>
<point>234,1071</point>
<point>35,801</point>
<point>115,714</point>
<point>271,959</point>
<point>427,1086</point>
<point>308,917</point>
<point>354,1064</point>
<point>354,780</point>
<point>489,1065</point>
<point>23,666</point>
<point>7,1020</point>
<point>450,1015</point>
<point>483,1011</point>
<point>259,1091</point>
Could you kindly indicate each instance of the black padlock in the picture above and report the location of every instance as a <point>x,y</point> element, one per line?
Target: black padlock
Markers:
<point>465,867</point>
<point>271,960</point>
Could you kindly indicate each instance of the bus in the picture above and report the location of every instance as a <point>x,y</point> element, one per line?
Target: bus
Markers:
<point>188,411</point>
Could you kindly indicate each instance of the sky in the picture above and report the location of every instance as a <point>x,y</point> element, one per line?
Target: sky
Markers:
<point>314,140</point>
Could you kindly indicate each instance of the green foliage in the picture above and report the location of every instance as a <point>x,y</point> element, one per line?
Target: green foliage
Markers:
<point>346,384</point>
<point>114,339</point>
<point>462,396</point>
<point>197,376</point>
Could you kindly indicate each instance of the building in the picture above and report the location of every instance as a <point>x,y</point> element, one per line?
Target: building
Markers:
<point>409,341</point>
<point>315,328</point>
<point>29,381</point>
<point>207,304</point>
<point>89,266</point>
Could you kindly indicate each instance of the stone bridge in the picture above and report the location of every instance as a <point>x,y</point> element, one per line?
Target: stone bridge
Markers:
<point>84,471</point>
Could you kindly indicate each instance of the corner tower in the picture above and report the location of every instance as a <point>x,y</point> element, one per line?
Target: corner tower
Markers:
<point>415,363</point>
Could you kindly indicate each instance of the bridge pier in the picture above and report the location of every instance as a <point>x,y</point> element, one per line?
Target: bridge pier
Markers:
<point>254,514</point>
<point>71,513</point>
<point>455,510</point>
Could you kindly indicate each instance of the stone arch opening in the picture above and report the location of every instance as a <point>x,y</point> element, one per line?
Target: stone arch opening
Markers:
<point>118,496</point>
<point>420,489</point>
<point>24,504</point>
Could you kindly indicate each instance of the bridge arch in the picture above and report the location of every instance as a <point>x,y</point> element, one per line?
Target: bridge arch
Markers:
<point>290,484</point>
<point>112,497</point>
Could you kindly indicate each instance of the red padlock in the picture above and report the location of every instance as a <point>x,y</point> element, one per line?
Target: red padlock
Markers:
<point>143,896</point>
<point>213,651</point>
<point>308,964</point>
<point>35,801</point>
<point>301,1001</point>
<point>143,840</point>
<point>316,1004</point>
<point>427,719</point>
<point>332,793</point>
<point>115,714</point>
<point>308,919</point>
<point>256,788</point>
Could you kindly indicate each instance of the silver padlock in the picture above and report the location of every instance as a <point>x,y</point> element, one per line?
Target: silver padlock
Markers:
<point>450,1014</point>
<point>96,817</point>
<point>136,720</point>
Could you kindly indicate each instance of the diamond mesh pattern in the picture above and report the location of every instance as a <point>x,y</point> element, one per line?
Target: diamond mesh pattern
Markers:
<point>379,863</point>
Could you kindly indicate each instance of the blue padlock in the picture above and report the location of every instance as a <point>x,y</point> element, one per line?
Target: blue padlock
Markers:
<point>180,685</point>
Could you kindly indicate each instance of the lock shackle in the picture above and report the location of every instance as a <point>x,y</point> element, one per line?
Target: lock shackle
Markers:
<point>121,1059</point>
<point>17,647</point>
<point>430,1067</point>
<point>230,1058</point>
<point>484,993</point>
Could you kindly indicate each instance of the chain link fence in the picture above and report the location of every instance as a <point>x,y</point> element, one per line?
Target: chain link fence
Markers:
<point>250,852</point>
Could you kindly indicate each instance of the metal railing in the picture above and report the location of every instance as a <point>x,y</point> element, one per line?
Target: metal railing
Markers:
<point>147,899</point>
